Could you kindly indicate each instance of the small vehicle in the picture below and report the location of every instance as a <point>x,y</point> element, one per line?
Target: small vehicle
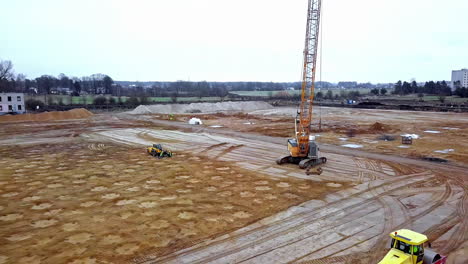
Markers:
<point>159,152</point>
<point>407,247</point>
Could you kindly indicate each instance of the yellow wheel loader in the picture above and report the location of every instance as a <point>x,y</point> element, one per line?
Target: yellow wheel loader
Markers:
<point>157,151</point>
<point>407,247</point>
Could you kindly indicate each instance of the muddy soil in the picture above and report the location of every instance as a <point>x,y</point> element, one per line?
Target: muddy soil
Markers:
<point>440,135</point>
<point>80,202</point>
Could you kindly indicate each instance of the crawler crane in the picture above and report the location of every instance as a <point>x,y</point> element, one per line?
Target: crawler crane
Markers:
<point>302,148</point>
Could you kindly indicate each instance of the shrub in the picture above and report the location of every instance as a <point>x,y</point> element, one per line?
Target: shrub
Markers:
<point>32,104</point>
<point>132,101</point>
<point>100,100</point>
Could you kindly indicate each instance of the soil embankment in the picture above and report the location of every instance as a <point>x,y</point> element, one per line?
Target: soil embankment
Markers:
<point>48,116</point>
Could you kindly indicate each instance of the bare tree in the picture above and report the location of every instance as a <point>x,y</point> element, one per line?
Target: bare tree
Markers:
<point>21,82</point>
<point>6,70</point>
<point>7,77</point>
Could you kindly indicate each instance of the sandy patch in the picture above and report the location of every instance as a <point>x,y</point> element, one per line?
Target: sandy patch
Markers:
<point>41,206</point>
<point>211,189</point>
<point>44,223</point>
<point>111,239</point>
<point>34,183</point>
<point>127,249</point>
<point>88,203</point>
<point>11,217</point>
<point>261,182</point>
<point>153,181</point>
<point>125,202</point>
<point>290,196</point>
<point>242,214</point>
<point>110,196</point>
<point>3,259</point>
<point>70,226</point>
<point>159,224</point>
<point>84,261</point>
<point>283,185</point>
<point>247,194</point>
<point>147,204</point>
<point>122,183</point>
<point>31,198</point>
<point>171,197</point>
<point>99,189</point>
<point>262,188</point>
<point>6,195</point>
<point>335,185</point>
<point>78,238</point>
<point>133,189</point>
<point>30,260</point>
<point>186,215</point>
<point>18,237</point>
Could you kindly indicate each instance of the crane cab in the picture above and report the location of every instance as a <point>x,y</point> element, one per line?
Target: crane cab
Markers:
<point>293,147</point>
<point>407,247</point>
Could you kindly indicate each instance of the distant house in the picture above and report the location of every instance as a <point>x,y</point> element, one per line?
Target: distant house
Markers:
<point>12,103</point>
<point>61,90</point>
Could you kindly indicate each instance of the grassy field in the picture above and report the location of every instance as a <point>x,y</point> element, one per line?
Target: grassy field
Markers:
<point>89,99</point>
<point>428,98</point>
<point>295,92</point>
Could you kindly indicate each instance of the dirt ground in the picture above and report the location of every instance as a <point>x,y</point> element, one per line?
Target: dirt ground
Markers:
<point>82,201</point>
<point>441,135</point>
<point>85,191</point>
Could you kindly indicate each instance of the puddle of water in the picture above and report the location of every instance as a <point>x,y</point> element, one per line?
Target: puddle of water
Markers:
<point>352,146</point>
<point>444,151</point>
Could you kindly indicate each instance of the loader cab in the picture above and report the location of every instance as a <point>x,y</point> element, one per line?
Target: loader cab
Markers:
<point>406,247</point>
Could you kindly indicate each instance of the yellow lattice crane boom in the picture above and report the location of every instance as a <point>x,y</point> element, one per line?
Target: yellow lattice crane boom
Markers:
<point>302,148</point>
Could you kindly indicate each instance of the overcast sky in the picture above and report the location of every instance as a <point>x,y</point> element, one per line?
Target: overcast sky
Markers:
<point>236,40</point>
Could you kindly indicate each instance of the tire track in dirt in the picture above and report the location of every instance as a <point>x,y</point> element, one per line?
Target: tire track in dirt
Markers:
<point>387,228</point>
<point>351,258</point>
<point>336,242</point>
<point>213,147</point>
<point>228,150</point>
<point>381,244</point>
<point>281,227</point>
<point>459,235</point>
<point>379,249</point>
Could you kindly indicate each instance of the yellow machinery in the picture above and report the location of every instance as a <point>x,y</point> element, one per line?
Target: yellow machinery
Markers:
<point>407,247</point>
<point>157,151</point>
<point>302,148</point>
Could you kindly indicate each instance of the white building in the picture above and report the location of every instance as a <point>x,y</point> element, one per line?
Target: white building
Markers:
<point>12,103</point>
<point>460,76</point>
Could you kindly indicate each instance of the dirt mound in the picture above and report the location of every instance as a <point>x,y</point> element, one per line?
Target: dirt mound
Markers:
<point>378,127</point>
<point>200,108</point>
<point>48,116</point>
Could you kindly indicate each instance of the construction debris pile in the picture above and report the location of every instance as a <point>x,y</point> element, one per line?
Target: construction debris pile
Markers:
<point>48,116</point>
<point>200,108</point>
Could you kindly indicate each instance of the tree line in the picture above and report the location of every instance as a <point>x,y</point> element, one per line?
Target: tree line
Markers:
<point>103,84</point>
<point>431,87</point>
<point>48,84</point>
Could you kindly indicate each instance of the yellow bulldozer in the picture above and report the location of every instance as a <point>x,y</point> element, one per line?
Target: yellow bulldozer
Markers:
<point>407,247</point>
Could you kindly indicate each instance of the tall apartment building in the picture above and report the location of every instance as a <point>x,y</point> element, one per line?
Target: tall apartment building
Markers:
<point>460,79</point>
<point>12,103</point>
